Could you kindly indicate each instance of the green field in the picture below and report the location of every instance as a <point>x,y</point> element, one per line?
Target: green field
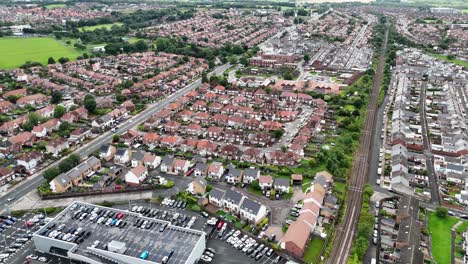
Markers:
<point>455,61</point>
<point>52,6</point>
<point>16,51</point>
<point>440,231</point>
<point>106,26</point>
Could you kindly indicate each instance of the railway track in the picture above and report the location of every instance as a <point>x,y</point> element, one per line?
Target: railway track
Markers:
<point>346,231</point>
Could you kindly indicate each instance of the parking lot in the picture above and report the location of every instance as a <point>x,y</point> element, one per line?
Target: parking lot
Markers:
<point>18,230</point>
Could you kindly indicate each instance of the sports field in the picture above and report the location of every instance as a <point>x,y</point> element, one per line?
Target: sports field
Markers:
<point>106,26</point>
<point>52,6</point>
<point>16,51</point>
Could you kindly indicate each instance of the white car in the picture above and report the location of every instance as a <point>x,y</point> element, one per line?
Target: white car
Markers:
<point>206,258</point>
<point>42,259</point>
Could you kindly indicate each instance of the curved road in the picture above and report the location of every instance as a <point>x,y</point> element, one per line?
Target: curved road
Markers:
<point>35,180</point>
<point>346,231</point>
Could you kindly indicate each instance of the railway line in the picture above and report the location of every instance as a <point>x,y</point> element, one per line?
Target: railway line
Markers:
<point>346,231</point>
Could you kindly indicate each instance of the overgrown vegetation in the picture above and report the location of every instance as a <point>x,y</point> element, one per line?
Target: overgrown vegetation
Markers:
<point>364,228</point>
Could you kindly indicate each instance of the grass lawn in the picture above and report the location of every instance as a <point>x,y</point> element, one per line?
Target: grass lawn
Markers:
<point>339,188</point>
<point>455,61</point>
<point>440,231</point>
<point>52,6</point>
<point>314,249</point>
<point>107,26</point>
<point>16,51</point>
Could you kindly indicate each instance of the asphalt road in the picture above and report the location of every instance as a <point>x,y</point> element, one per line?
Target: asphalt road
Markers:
<point>346,231</point>
<point>35,180</point>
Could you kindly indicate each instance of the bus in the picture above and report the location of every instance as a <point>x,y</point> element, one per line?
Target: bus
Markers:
<point>144,255</point>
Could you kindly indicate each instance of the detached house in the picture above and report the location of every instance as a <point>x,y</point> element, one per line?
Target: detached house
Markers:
<point>167,163</point>
<point>250,175</point>
<point>215,170</point>
<point>56,146</point>
<point>200,170</point>
<point>30,160</point>
<point>136,176</point>
<point>137,158</point>
<point>234,175</point>
<point>122,156</point>
<point>197,186</point>
<point>265,182</point>
<point>6,175</point>
<point>281,185</point>
<point>107,152</point>
<point>252,211</point>
<point>151,161</point>
<point>181,167</point>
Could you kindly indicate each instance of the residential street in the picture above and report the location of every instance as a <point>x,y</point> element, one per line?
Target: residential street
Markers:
<point>35,180</point>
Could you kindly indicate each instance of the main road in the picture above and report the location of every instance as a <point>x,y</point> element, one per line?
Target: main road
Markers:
<point>35,180</point>
<point>346,231</point>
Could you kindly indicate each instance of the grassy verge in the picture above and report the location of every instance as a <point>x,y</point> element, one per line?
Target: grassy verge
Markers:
<point>314,249</point>
<point>440,231</point>
<point>446,58</point>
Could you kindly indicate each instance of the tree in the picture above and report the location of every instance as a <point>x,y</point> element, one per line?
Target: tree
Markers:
<point>63,60</point>
<point>306,57</point>
<point>116,138</point>
<point>12,99</point>
<point>51,60</point>
<point>256,185</point>
<point>277,134</point>
<point>441,212</point>
<point>65,165</point>
<point>51,173</point>
<point>59,111</point>
<point>56,97</point>
<point>90,103</point>
<point>75,159</point>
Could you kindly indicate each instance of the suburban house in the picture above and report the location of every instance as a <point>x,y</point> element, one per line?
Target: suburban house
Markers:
<point>39,131</point>
<point>234,175</point>
<point>281,185</point>
<point>232,201</point>
<point>200,170</point>
<point>181,167</point>
<point>216,197</point>
<point>137,158</point>
<point>30,160</point>
<point>79,135</point>
<point>252,211</point>
<point>215,170</point>
<point>167,163</point>
<point>6,175</point>
<point>250,175</point>
<point>151,161</point>
<point>122,156</point>
<point>197,186</point>
<point>107,152</point>
<point>56,146</point>
<point>136,176</point>
<point>265,182</point>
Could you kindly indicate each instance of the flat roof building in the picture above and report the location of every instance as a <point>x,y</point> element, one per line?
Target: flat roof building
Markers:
<point>130,244</point>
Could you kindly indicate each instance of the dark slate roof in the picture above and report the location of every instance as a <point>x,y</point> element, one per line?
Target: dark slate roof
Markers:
<point>104,148</point>
<point>233,197</point>
<point>139,155</point>
<point>201,166</point>
<point>281,182</point>
<point>63,179</point>
<point>233,172</point>
<point>249,172</point>
<point>167,160</point>
<point>120,151</point>
<point>250,205</point>
<point>217,194</point>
